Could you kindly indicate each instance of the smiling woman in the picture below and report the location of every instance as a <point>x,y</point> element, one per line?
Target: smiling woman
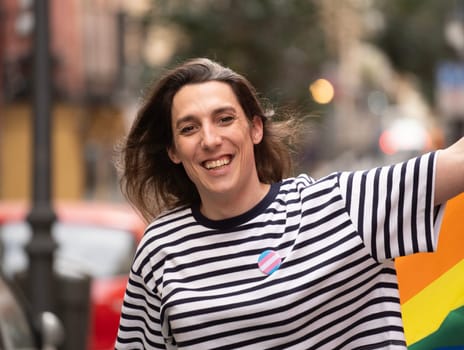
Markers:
<point>237,255</point>
<point>150,178</point>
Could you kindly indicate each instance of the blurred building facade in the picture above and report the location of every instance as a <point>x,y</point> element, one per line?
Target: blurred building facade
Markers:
<point>88,62</point>
<point>101,49</point>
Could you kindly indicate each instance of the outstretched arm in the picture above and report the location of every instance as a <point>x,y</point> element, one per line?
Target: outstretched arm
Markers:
<point>450,172</point>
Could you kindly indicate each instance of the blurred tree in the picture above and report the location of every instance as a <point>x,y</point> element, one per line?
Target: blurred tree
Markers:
<point>413,37</point>
<point>279,45</point>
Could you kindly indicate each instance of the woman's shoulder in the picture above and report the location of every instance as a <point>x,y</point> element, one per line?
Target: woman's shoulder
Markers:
<point>303,181</point>
<point>160,233</point>
<point>168,219</point>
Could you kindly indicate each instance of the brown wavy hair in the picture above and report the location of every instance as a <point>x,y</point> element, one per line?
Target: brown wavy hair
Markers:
<point>151,181</point>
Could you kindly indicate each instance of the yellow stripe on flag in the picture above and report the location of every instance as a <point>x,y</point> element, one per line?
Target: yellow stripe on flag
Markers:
<point>423,313</point>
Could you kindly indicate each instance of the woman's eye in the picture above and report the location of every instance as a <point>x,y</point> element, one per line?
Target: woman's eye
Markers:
<point>226,119</point>
<point>187,129</point>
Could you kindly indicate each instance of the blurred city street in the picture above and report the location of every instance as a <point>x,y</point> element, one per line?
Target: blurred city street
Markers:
<point>375,82</point>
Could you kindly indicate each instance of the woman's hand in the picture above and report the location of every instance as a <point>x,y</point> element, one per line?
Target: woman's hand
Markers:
<point>450,172</point>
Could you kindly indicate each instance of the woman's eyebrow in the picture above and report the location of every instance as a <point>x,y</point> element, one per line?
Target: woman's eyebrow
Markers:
<point>224,109</point>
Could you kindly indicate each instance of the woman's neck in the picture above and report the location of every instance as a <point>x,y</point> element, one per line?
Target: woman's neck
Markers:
<point>224,207</point>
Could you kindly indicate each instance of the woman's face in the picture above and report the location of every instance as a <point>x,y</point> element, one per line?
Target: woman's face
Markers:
<point>213,140</point>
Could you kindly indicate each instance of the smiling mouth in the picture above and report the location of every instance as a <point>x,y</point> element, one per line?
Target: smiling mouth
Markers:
<point>214,164</point>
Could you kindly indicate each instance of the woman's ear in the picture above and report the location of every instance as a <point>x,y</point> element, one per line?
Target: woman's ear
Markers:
<point>257,130</point>
<point>173,155</point>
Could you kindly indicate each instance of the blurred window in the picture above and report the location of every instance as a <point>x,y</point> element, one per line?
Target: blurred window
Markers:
<point>90,250</point>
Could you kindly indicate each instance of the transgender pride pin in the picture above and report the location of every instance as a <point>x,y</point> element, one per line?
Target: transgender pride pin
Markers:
<point>269,261</point>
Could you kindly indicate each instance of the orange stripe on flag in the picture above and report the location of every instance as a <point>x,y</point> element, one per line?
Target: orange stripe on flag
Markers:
<point>417,271</point>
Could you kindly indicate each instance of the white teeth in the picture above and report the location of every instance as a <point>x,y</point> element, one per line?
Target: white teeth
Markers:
<point>216,163</point>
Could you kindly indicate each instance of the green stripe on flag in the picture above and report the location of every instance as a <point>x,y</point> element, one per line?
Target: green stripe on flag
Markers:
<point>450,335</point>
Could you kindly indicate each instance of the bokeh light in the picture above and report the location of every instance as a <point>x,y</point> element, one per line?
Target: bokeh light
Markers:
<point>322,91</point>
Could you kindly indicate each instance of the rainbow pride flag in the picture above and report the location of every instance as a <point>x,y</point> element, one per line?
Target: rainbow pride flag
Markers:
<point>432,288</point>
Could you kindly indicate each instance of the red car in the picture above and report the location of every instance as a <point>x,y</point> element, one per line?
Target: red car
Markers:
<point>95,239</point>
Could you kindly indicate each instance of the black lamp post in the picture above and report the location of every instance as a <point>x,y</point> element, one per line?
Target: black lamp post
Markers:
<point>41,217</point>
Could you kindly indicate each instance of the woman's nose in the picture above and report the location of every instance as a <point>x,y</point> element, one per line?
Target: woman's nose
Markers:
<point>210,138</point>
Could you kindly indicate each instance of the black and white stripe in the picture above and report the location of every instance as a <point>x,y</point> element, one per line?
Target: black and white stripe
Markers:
<point>195,283</point>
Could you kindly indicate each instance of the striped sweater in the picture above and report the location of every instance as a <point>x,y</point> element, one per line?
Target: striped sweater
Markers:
<point>309,267</point>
